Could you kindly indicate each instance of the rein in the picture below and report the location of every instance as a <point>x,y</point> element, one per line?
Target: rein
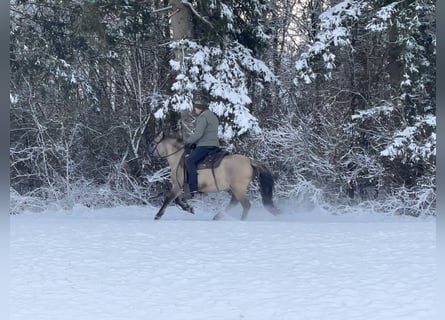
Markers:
<point>164,157</point>
<point>181,163</point>
<point>169,155</point>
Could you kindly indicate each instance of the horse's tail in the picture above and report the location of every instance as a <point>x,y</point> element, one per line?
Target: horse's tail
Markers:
<point>266,184</point>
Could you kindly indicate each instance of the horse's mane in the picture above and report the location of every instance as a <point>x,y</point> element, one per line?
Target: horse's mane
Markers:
<point>178,141</point>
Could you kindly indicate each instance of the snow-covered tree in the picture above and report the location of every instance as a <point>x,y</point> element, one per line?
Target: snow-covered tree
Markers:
<point>221,62</point>
<point>337,96</point>
<point>375,63</point>
<point>86,75</point>
<point>223,75</point>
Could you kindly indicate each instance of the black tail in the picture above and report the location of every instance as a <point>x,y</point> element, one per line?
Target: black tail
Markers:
<point>266,184</point>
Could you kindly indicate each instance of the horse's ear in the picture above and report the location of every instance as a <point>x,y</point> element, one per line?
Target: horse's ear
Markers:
<point>160,135</point>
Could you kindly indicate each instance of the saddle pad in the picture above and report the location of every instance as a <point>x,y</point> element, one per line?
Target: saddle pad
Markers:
<point>213,159</point>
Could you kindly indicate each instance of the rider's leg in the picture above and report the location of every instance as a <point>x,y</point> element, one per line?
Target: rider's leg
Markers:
<point>198,154</point>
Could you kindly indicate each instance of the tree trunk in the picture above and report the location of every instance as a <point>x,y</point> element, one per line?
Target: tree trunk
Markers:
<point>181,24</point>
<point>182,28</point>
<point>394,66</point>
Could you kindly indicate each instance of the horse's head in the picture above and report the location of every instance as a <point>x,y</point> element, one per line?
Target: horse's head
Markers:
<point>164,146</point>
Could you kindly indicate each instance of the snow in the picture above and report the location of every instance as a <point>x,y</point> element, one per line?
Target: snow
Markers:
<point>332,33</point>
<point>13,98</point>
<point>382,17</point>
<point>406,140</point>
<point>374,111</point>
<point>118,263</point>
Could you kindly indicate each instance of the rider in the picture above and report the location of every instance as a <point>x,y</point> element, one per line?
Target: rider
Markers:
<point>204,138</point>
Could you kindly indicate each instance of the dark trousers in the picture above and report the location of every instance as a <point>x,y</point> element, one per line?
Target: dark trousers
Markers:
<point>198,154</point>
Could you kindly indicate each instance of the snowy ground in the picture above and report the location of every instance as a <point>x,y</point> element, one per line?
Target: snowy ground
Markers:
<point>120,264</point>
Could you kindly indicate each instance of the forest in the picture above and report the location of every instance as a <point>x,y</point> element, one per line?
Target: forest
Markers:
<point>337,97</point>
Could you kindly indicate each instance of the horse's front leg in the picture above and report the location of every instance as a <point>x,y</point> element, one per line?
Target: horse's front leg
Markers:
<point>183,204</point>
<point>172,195</point>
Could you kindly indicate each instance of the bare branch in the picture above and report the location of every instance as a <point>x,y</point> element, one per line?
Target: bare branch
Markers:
<point>162,9</point>
<point>196,13</point>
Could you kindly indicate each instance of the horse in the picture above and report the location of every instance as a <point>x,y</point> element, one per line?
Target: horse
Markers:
<point>233,174</point>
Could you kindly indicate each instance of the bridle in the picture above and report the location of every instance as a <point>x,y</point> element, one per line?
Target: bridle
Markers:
<point>155,148</point>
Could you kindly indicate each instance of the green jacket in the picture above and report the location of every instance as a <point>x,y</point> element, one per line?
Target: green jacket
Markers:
<point>206,130</point>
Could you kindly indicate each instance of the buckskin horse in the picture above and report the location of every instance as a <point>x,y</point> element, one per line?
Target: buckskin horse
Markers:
<point>233,174</point>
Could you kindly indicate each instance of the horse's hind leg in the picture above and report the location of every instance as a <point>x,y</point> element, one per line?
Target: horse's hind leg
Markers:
<point>183,204</point>
<point>246,206</point>
<point>245,203</point>
<point>233,202</point>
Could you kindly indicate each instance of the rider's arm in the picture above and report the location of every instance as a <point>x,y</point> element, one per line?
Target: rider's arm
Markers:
<point>200,126</point>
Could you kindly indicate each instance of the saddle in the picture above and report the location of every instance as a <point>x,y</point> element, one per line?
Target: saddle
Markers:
<point>213,159</point>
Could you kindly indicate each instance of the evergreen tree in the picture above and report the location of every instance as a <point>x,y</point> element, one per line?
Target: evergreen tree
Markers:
<point>348,109</point>
<point>376,60</point>
<point>220,61</point>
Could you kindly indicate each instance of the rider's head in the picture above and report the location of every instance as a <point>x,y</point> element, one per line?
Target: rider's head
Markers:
<point>200,103</point>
